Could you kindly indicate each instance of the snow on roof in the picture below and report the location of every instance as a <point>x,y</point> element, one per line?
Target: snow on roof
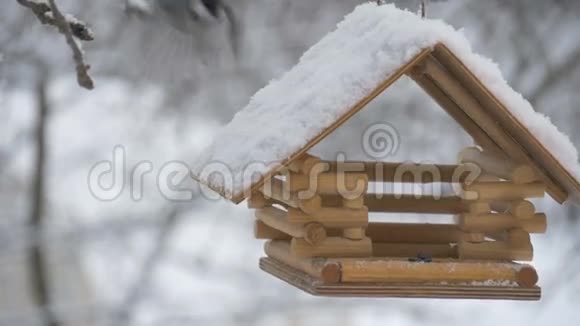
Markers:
<point>371,44</point>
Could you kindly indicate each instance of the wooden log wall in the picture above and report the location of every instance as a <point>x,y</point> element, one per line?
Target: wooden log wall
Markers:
<point>500,208</point>
<point>317,230</point>
<point>290,208</point>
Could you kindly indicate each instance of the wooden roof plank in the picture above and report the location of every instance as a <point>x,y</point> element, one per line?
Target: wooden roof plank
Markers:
<point>479,136</point>
<point>464,98</point>
<point>562,182</point>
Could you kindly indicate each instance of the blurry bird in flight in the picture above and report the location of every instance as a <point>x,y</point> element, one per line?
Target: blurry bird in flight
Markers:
<point>188,15</point>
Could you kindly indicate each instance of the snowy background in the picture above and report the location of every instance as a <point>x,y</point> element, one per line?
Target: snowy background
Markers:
<point>141,259</point>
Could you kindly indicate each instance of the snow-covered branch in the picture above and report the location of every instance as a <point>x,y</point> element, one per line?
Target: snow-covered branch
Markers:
<point>48,13</point>
<point>42,10</point>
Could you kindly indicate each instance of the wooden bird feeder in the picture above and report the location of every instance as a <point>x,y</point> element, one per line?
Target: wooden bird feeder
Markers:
<point>315,217</point>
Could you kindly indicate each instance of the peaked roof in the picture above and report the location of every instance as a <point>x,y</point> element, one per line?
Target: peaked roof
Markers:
<point>371,49</point>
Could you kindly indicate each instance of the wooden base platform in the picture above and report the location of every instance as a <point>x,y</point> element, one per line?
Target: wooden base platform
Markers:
<point>316,287</point>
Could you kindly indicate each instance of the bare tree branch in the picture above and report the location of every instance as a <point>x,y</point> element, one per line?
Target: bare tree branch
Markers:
<point>42,11</point>
<point>83,77</point>
<point>70,27</point>
<point>134,295</point>
<point>39,273</point>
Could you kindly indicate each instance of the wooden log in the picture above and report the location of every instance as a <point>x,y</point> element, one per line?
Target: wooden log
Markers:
<point>278,219</point>
<point>414,233</point>
<point>257,200</point>
<point>522,209</point>
<point>306,164</point>
<point>503,191</point>
<point>354,233</point>
<point>264,232</point>
<point>412,204</point>
<point>480,207</point>
<point>328,182</point>
<point>402,172</point>
<point>518,208</point>
<point>518,238</point>
<point>410,250</point>
<point>397,233</point>
<point>333,247</point>
<point>328,272</point>
<point>405,204</point>
<point>277,190</point>
<point>313,233</point>
<point>298,181</point>
<point>461,117</point>
<point>464,290</point>
<point>311,205</point>
<point>443,290</point>
<point>524,174</point>
<point>527,276</point>
<point>497,236</point>
<point>417,173</point>
<point>351,185</point>
<point>332,217</point>
<point>484,177</point>
<point>500,206</point>
<point>393,233</point>
<point>449,271</point>
<point>353,203</point>
<point>495,164</point>
<point>495,250</point>
<point>500,222</point>
<point>500,166</point>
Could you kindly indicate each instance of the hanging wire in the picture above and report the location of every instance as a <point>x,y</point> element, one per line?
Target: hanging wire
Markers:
<point>424,4</point>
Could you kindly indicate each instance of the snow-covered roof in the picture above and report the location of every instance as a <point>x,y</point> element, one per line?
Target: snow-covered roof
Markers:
<point>371,45</point>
